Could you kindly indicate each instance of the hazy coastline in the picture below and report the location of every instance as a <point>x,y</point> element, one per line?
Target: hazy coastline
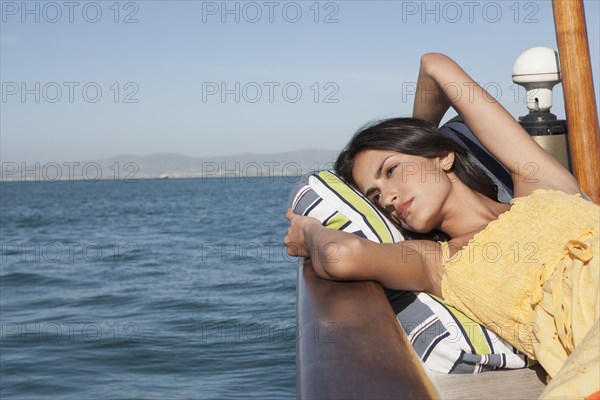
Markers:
<point>172,166</point>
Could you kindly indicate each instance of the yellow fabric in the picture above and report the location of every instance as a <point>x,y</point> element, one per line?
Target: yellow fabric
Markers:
<point>337,221</point>
<point>532,276</point>
<point>578,377</point>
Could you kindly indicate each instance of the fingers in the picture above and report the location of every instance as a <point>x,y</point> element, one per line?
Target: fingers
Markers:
<point>293,248</point>
<point>289,214</point>
<point>286,239</point>
<point>289,244</point>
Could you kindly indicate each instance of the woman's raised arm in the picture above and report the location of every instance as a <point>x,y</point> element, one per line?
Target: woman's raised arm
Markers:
<point>443,83</point>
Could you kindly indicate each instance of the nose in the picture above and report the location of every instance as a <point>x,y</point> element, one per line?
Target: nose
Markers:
<point>388,199</point>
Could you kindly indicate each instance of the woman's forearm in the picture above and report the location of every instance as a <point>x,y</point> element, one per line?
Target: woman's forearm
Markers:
<point>431,103</point>
<point>406,265</point>
<point>344,256</point>
<point>331,251</point>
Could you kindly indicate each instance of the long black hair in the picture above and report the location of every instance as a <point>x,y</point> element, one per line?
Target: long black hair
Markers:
<point>415,137</point>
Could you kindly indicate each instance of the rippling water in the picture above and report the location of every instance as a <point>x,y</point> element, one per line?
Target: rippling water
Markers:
<point>146,289</point>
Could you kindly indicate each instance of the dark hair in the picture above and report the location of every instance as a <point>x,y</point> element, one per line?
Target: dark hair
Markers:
<point>418,138</point>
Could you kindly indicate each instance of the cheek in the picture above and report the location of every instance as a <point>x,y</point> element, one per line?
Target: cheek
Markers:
<point>407,180</point>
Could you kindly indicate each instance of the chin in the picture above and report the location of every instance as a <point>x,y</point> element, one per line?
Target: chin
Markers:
<point>420,228</point>
<point>416,226</point>
<point>417,230</point>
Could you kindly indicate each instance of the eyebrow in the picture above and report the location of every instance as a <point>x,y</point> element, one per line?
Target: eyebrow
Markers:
<point>377,176</point>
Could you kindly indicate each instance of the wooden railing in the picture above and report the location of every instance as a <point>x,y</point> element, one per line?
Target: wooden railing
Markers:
<point>350,345</point>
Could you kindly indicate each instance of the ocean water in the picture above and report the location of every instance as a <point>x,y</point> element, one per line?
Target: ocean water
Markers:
<point>159,289</point>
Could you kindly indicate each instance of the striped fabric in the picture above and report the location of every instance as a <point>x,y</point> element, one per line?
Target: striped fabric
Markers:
<point>443,337</point>
<point>352,206</point>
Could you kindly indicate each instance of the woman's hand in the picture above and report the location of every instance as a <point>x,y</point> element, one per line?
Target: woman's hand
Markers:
<point>295,239</point>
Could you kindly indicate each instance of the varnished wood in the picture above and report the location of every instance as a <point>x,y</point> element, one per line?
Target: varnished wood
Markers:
<point>350,345</point>
<point>578,88</point>
<point>526,383</point>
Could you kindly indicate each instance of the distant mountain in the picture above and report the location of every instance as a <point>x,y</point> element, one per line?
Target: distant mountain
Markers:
<point>169,165</point>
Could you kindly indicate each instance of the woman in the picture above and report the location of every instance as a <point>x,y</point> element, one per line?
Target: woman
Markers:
<point>528,270</point>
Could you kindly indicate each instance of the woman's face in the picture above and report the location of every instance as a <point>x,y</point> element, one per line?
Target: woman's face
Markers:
<point>411,189</point>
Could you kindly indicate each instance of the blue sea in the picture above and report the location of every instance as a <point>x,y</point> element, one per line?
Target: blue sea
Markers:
<point>158,289</point>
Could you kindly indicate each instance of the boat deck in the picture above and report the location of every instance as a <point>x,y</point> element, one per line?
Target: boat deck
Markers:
<point>504,384</point>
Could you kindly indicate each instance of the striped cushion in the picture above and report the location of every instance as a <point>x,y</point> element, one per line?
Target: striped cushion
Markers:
<point>445,339</point>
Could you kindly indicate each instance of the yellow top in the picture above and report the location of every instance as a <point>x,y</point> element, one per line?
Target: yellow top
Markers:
<point>496,277</point>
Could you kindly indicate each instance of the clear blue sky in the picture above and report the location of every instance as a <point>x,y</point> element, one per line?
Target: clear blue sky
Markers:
<point>175,60</point>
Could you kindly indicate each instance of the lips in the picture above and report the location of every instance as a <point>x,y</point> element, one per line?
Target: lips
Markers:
<point>403,210</point>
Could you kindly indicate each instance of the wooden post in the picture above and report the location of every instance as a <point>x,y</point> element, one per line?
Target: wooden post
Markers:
<point>578,88</point>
